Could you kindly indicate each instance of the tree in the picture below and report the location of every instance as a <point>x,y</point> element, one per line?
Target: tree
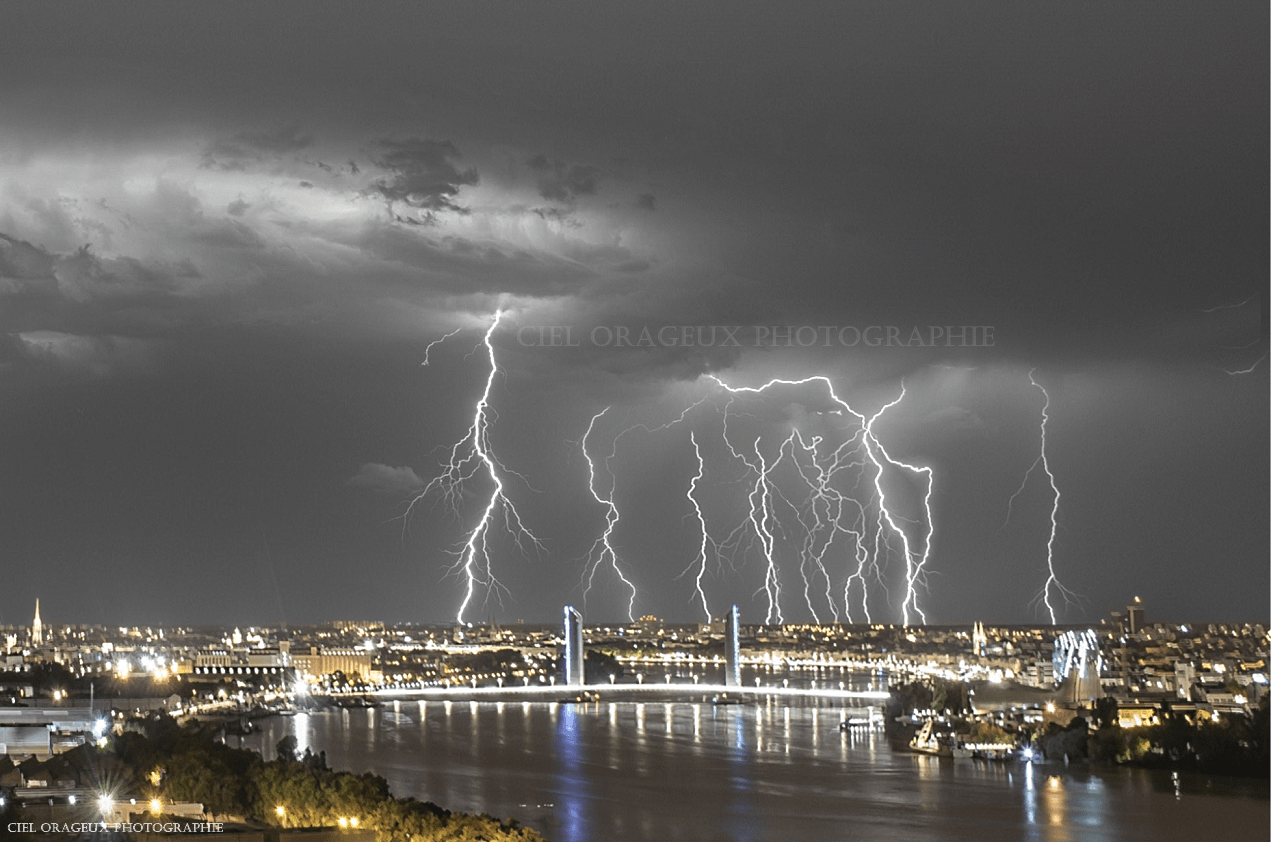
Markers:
<point>287,749</point>
<point>1106,713</point>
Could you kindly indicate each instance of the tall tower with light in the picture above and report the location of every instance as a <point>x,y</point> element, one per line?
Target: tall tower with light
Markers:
<point>37,627</point>
<point>979,639</point>
<point>732,647</point>
<point>573,646</point>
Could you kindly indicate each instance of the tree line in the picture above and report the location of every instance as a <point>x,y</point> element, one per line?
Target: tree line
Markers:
<point>177,763</point>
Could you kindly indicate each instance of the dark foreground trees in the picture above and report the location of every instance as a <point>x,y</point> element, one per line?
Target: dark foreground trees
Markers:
<point>187,764</point>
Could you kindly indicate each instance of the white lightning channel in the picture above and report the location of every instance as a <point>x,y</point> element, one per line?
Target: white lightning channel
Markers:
<point>915,562</point>
<point>470,456</point>
<point>876,455</point>
<point>602,550</point>
<point>1052,581</point>
<point>700,560</point>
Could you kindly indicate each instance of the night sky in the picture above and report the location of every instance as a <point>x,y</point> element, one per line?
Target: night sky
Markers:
<point>229,233</point>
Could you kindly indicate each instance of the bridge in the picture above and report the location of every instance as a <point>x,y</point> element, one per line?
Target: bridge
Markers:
<point>618,692</point>
<point>575,681</point>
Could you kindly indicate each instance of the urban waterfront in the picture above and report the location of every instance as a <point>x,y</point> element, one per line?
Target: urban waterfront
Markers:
<point>662,771</point>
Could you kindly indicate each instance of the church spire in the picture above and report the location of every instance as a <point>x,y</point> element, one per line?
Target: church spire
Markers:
<point>37,628</point>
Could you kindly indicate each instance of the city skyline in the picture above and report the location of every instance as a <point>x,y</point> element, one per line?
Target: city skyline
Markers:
<point>246,274</point>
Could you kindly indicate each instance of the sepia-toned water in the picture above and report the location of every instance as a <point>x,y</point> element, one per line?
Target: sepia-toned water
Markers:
<point>774,770</point>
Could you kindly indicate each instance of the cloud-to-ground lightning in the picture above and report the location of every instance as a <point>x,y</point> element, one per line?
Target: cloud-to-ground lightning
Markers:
<point>470,456</point>
<point>916,550</point>
<point>1052,581</point>
<point>700,560</point>
<point>915,563</point>
<point>602,550</point>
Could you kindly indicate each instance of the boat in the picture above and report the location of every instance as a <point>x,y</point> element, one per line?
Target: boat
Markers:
<point>724,699</point>
<point>926,741</point>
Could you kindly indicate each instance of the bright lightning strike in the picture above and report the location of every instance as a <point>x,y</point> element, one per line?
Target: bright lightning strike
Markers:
<point>917,550</point>
<point>602,550</point>
<point>1052,581</point>
<point>700,560</point>
<point>914,562</point>
<point>470,456</point>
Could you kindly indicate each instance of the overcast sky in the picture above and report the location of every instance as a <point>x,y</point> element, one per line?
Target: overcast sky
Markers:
<point>230,232</point>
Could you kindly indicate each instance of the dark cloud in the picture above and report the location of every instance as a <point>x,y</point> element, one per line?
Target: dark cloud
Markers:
<point>278,142</point>
<point>423,174</point>
<point>1081,178</point>
<point>22,261</point>
<point>559,181</point>
<point>246,148</point>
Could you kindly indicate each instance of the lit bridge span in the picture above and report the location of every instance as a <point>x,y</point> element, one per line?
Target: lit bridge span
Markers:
<point>615,692</point>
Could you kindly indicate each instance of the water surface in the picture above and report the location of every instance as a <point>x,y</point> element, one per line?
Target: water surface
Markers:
<point>659,772</point>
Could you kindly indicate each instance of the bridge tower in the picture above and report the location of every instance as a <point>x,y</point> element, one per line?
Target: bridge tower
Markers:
<point>732,647</point>
<point>573,646</point>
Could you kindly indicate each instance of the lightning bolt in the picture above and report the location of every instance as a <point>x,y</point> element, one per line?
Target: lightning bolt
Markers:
<point>602,550</point>
<point>866,443</point>
<point>470,456</point>
<point>700,560</point>
<point>1239,371</point>
<point>1010,504</point>
<point>1052,581</point>
<point>914,562</point>
<point>1235,306</point>
<point>428,348</point>
<point>760,515</point>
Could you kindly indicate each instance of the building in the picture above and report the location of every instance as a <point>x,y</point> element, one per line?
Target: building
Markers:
<point>353,663</point>
<point>979,639</point>
<point>37,627</point>
<point>1135,620</point>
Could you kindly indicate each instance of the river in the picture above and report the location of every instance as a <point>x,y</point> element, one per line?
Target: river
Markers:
<point>772,770</point>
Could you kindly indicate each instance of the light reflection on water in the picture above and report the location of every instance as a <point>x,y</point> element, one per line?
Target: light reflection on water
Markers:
<point>646,771</point>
